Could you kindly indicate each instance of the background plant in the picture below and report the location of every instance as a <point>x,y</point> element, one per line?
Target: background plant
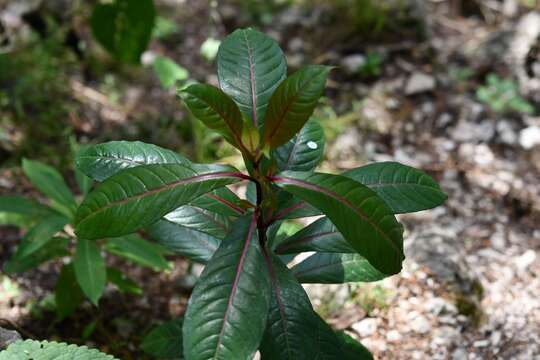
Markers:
<point>188,207</point>
<point>49,237</point>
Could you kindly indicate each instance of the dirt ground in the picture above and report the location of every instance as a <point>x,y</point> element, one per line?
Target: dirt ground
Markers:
<point>470,288</point>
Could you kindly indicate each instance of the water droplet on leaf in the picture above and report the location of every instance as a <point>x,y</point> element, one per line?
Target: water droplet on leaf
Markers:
<point>312,145</point>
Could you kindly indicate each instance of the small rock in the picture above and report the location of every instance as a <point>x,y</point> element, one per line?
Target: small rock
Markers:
<point>529,137</point>
<point>296,44</point>
<point>352,63</point>
<point>393,336</point>
<point>419,82</point>
<point>481,343</point>
<point>8,337</point>
<point>420,325</point>
<point>460,354</point>
<point>526,259</point>
<point>366,327</point>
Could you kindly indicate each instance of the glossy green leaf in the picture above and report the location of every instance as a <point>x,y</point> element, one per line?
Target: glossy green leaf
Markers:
<point>332,268</point>
<point>330,347</point>
<point>165,340</point>
<point>40,235</point>
<point>56,247</point>
<point>229,304</point>
<point>67,293</point>
<point>304,151</point>
<point>250,67</point>
<point>353,349</point>
<point>201,220</point>
<point>139,196</point>
<point>50,350</point>
<point>138,250</point>
<point>49,181</point>
<point>321,236</point>
<point>122,282</point>
<point>124,27</point>
<point>19,211</point>
<point>104,160</point>
<point>360,215</point>
<point>192,244</point>
<point>403,188</point>
<point>90,269</point>
<point>216,110</point>
<point>169,72</point>
<point>291,330</point>
<point>292,104</point>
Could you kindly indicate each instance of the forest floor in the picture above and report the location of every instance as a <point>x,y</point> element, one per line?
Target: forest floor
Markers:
<point>470,288</point>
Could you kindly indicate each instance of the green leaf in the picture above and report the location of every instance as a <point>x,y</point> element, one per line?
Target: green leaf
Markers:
<point>226,313</point>
<point>320,236</point>
<point>67,293</point>
<point>138,250</point>
<point>84,182</point>
<point>332,268</point>
<point>169,72</point>
<point>45,350</point>
<point>353,349</point>
<point>49,181</point>
<point>360,215</point>
<point>403,188</point>
<point>40,235</point>
<point>291,207</point>
<point>138,197</point>
<point>104,160</point>
<point>291,330</point>
<point>292,104</point>
<point>250,67</point>
<point>304,151</point>
<point>122,282</point>
<point>329,344</point>
<point>222,201</point>
<point>124,27</point>
<point>56,247</point>
<point>201,220</point>
<point>192,244</point>
<point>90,269</point>
<point>165,340</point>
<point>216,110</point>
<point>19,211</point>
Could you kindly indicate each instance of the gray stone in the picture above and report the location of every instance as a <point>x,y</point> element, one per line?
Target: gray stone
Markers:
<point>8,337</point>
<point>365,327</point>
<point>352,63</point>
<point>460,354</point>
<point>420,325</point>
<point>529,137</point>
<point>419,82</point>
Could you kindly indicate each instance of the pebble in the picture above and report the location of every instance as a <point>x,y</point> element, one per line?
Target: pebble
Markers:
<point>460,354</point>
<point>481,343</point>
<point>420,325</point>
<point>529,137</point>
<point>394,336</point>
<point>352,63</point>
<point>365,327</point>
<point>419,82</point>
